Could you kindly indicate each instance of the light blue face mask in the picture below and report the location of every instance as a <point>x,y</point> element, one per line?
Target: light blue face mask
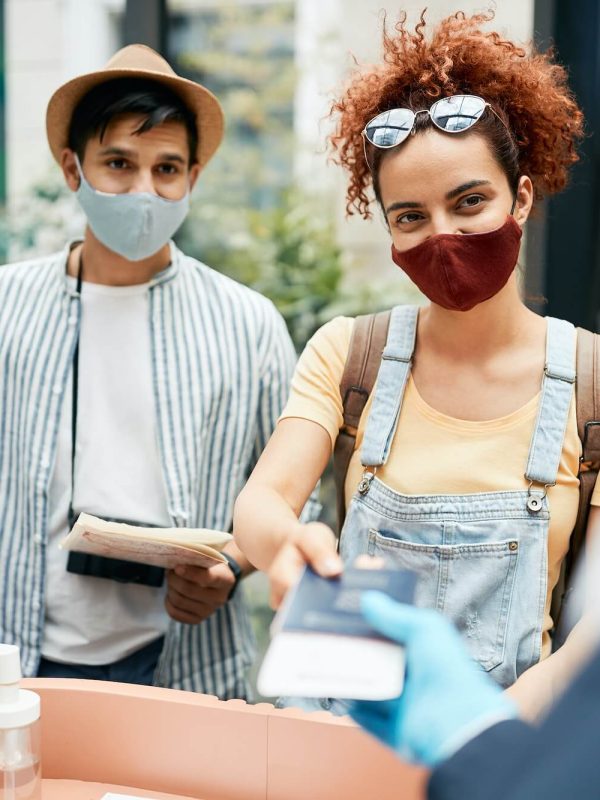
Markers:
<point>135,224</point>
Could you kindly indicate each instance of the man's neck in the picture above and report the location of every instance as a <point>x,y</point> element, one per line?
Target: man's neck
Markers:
<point>103,266</point>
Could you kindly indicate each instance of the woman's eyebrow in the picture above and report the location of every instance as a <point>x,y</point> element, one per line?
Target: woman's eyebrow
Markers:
<point>403,204</point>
<point>464,187</point>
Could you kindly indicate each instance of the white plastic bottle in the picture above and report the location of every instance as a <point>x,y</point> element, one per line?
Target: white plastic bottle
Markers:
<point>20,769</point>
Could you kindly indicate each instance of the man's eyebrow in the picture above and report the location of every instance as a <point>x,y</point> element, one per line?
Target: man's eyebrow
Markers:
<point>123,152</point>
<point>115,151</point>
<point>464,187</point>
<point>171,157</point>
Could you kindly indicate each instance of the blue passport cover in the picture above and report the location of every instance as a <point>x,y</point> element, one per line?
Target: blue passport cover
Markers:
<point>332,605</point>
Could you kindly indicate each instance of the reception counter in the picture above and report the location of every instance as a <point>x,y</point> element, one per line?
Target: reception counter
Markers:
<point>161,743</point>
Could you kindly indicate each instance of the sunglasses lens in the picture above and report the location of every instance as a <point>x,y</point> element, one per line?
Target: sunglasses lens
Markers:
<point>390,128</point>
<point>457,113</point>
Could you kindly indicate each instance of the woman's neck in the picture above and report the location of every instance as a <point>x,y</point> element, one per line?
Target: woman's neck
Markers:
<point>493,325</point>
<point>105,267</point>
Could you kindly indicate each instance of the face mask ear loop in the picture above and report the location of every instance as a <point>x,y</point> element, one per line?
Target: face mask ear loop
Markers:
<point>512,208</point>
<point>79,170</point>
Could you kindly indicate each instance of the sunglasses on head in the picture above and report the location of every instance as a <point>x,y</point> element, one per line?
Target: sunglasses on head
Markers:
<point>453,114</point>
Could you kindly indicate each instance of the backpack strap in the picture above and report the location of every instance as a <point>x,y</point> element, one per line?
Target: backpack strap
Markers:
<point>587,398</point>
<point>369,336</point>
<point>587,393</point>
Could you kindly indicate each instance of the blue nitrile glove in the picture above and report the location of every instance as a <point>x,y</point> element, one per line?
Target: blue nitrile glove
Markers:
<point>447,698</point>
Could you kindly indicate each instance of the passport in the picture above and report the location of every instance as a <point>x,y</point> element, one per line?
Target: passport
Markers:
<point>322,646</point>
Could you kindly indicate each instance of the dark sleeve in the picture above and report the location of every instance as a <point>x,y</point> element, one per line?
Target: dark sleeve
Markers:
<point>560,759</point>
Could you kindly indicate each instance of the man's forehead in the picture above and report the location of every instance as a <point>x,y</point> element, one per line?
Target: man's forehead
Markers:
<point>123,133</point>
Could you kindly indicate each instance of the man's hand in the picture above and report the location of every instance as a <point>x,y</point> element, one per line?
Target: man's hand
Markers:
<point>194,593</point>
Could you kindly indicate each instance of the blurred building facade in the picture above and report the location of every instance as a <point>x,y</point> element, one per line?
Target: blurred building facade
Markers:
<point>302,49</point>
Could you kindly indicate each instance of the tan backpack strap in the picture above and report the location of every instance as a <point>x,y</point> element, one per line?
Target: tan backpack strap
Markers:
<point>587,399</point>
<point>587,394</point>
<point>369,336</point>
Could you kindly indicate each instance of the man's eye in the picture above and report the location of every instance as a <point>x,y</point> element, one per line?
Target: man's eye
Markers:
<point>471,201</point>
<point>117,163</point>
<point>167,169</point>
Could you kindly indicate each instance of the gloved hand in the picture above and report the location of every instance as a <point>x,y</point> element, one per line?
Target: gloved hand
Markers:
<point>446,695</point>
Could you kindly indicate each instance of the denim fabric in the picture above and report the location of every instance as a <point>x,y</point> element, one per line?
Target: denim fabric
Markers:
<point>482,557</point>
<point>136,668</point>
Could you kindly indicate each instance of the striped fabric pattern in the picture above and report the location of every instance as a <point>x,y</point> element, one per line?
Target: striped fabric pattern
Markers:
<point>222,364</point>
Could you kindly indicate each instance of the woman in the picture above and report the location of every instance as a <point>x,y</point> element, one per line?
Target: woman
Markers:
<point>467,452</point>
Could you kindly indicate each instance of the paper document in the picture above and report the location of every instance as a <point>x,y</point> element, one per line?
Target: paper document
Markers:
<point>159,547</point>
<point>113,796</point>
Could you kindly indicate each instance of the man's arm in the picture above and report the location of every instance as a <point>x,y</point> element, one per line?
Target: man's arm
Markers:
<point>194,593</point>
<point>452,717</point>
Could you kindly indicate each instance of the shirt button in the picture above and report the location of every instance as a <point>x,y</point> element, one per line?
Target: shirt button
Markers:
<point>57,388</point>
<point>72,320</point>
<point>37,539</point>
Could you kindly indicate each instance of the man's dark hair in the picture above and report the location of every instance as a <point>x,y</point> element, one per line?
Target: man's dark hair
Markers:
<point>154,101</point>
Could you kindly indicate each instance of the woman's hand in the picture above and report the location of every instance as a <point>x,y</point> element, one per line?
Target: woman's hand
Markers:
<point>314,544</point>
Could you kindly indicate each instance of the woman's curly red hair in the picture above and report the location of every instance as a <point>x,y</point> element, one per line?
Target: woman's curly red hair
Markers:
<point>460,58</point>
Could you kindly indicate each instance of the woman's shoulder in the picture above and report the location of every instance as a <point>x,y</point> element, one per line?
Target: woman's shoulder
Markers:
<point>332,339</point>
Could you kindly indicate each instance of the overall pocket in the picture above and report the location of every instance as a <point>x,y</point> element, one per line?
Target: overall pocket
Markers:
<point>472,584</point>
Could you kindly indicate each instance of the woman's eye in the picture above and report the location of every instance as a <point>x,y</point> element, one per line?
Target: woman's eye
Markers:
<point>410,216</point>
<point>471,201</point>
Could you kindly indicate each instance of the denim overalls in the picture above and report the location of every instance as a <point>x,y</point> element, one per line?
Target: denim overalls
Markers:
<point>481,557</point>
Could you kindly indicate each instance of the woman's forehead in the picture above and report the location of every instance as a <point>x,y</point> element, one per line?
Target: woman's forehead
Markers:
<point>432,163</point>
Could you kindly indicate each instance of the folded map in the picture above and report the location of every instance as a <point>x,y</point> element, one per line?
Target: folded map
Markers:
<point>159,547</point>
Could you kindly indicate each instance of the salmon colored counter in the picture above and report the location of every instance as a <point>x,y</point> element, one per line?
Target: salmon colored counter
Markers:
<point>160,743</point>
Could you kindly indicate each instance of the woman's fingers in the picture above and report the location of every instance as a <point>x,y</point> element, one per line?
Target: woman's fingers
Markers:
<point>314,544</point>
<point>317,544</point>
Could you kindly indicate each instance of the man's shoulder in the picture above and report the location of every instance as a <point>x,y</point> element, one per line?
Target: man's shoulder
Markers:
<point>30,272</point>
<point>239,298</point>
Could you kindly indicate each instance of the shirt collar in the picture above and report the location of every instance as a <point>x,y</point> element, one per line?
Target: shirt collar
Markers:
<point>165,275</point>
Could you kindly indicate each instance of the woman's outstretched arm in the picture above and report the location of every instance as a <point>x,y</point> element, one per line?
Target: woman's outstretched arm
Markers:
<point>266,525</point>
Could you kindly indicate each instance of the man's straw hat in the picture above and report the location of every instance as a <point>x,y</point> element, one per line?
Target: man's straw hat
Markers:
<point>137,61</point>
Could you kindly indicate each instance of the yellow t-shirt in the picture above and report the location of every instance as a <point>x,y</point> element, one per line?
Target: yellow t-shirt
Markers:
<point>432,453</point>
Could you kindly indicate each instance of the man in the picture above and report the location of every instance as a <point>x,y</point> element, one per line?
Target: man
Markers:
<point>453,718</point>
<point>136,384</point>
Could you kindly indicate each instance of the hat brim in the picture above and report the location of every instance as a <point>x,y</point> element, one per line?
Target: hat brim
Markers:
<point>204,105</point>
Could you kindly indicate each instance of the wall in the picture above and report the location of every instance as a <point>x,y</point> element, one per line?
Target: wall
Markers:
<point>47,42</point>
<point>330,34</point>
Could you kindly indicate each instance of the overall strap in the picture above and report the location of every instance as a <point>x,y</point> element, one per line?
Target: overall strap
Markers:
<point>391,384</point>
<point>369,335</point>
<point>553,412</point>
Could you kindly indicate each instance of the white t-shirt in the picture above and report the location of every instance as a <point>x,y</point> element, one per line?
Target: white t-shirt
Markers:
<point>117,474</point>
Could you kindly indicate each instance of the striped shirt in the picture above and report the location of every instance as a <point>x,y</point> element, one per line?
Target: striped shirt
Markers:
<point>222,360</point>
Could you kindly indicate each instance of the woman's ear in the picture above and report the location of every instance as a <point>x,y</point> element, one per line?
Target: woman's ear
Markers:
<point>524,200</point>
<point>69,167</point>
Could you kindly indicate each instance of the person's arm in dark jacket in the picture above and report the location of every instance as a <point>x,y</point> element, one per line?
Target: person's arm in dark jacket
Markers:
<point>453,718</point>
<point>557,760</point>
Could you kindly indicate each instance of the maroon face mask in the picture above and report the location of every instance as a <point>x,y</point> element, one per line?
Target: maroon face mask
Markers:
<point>458,271</point>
